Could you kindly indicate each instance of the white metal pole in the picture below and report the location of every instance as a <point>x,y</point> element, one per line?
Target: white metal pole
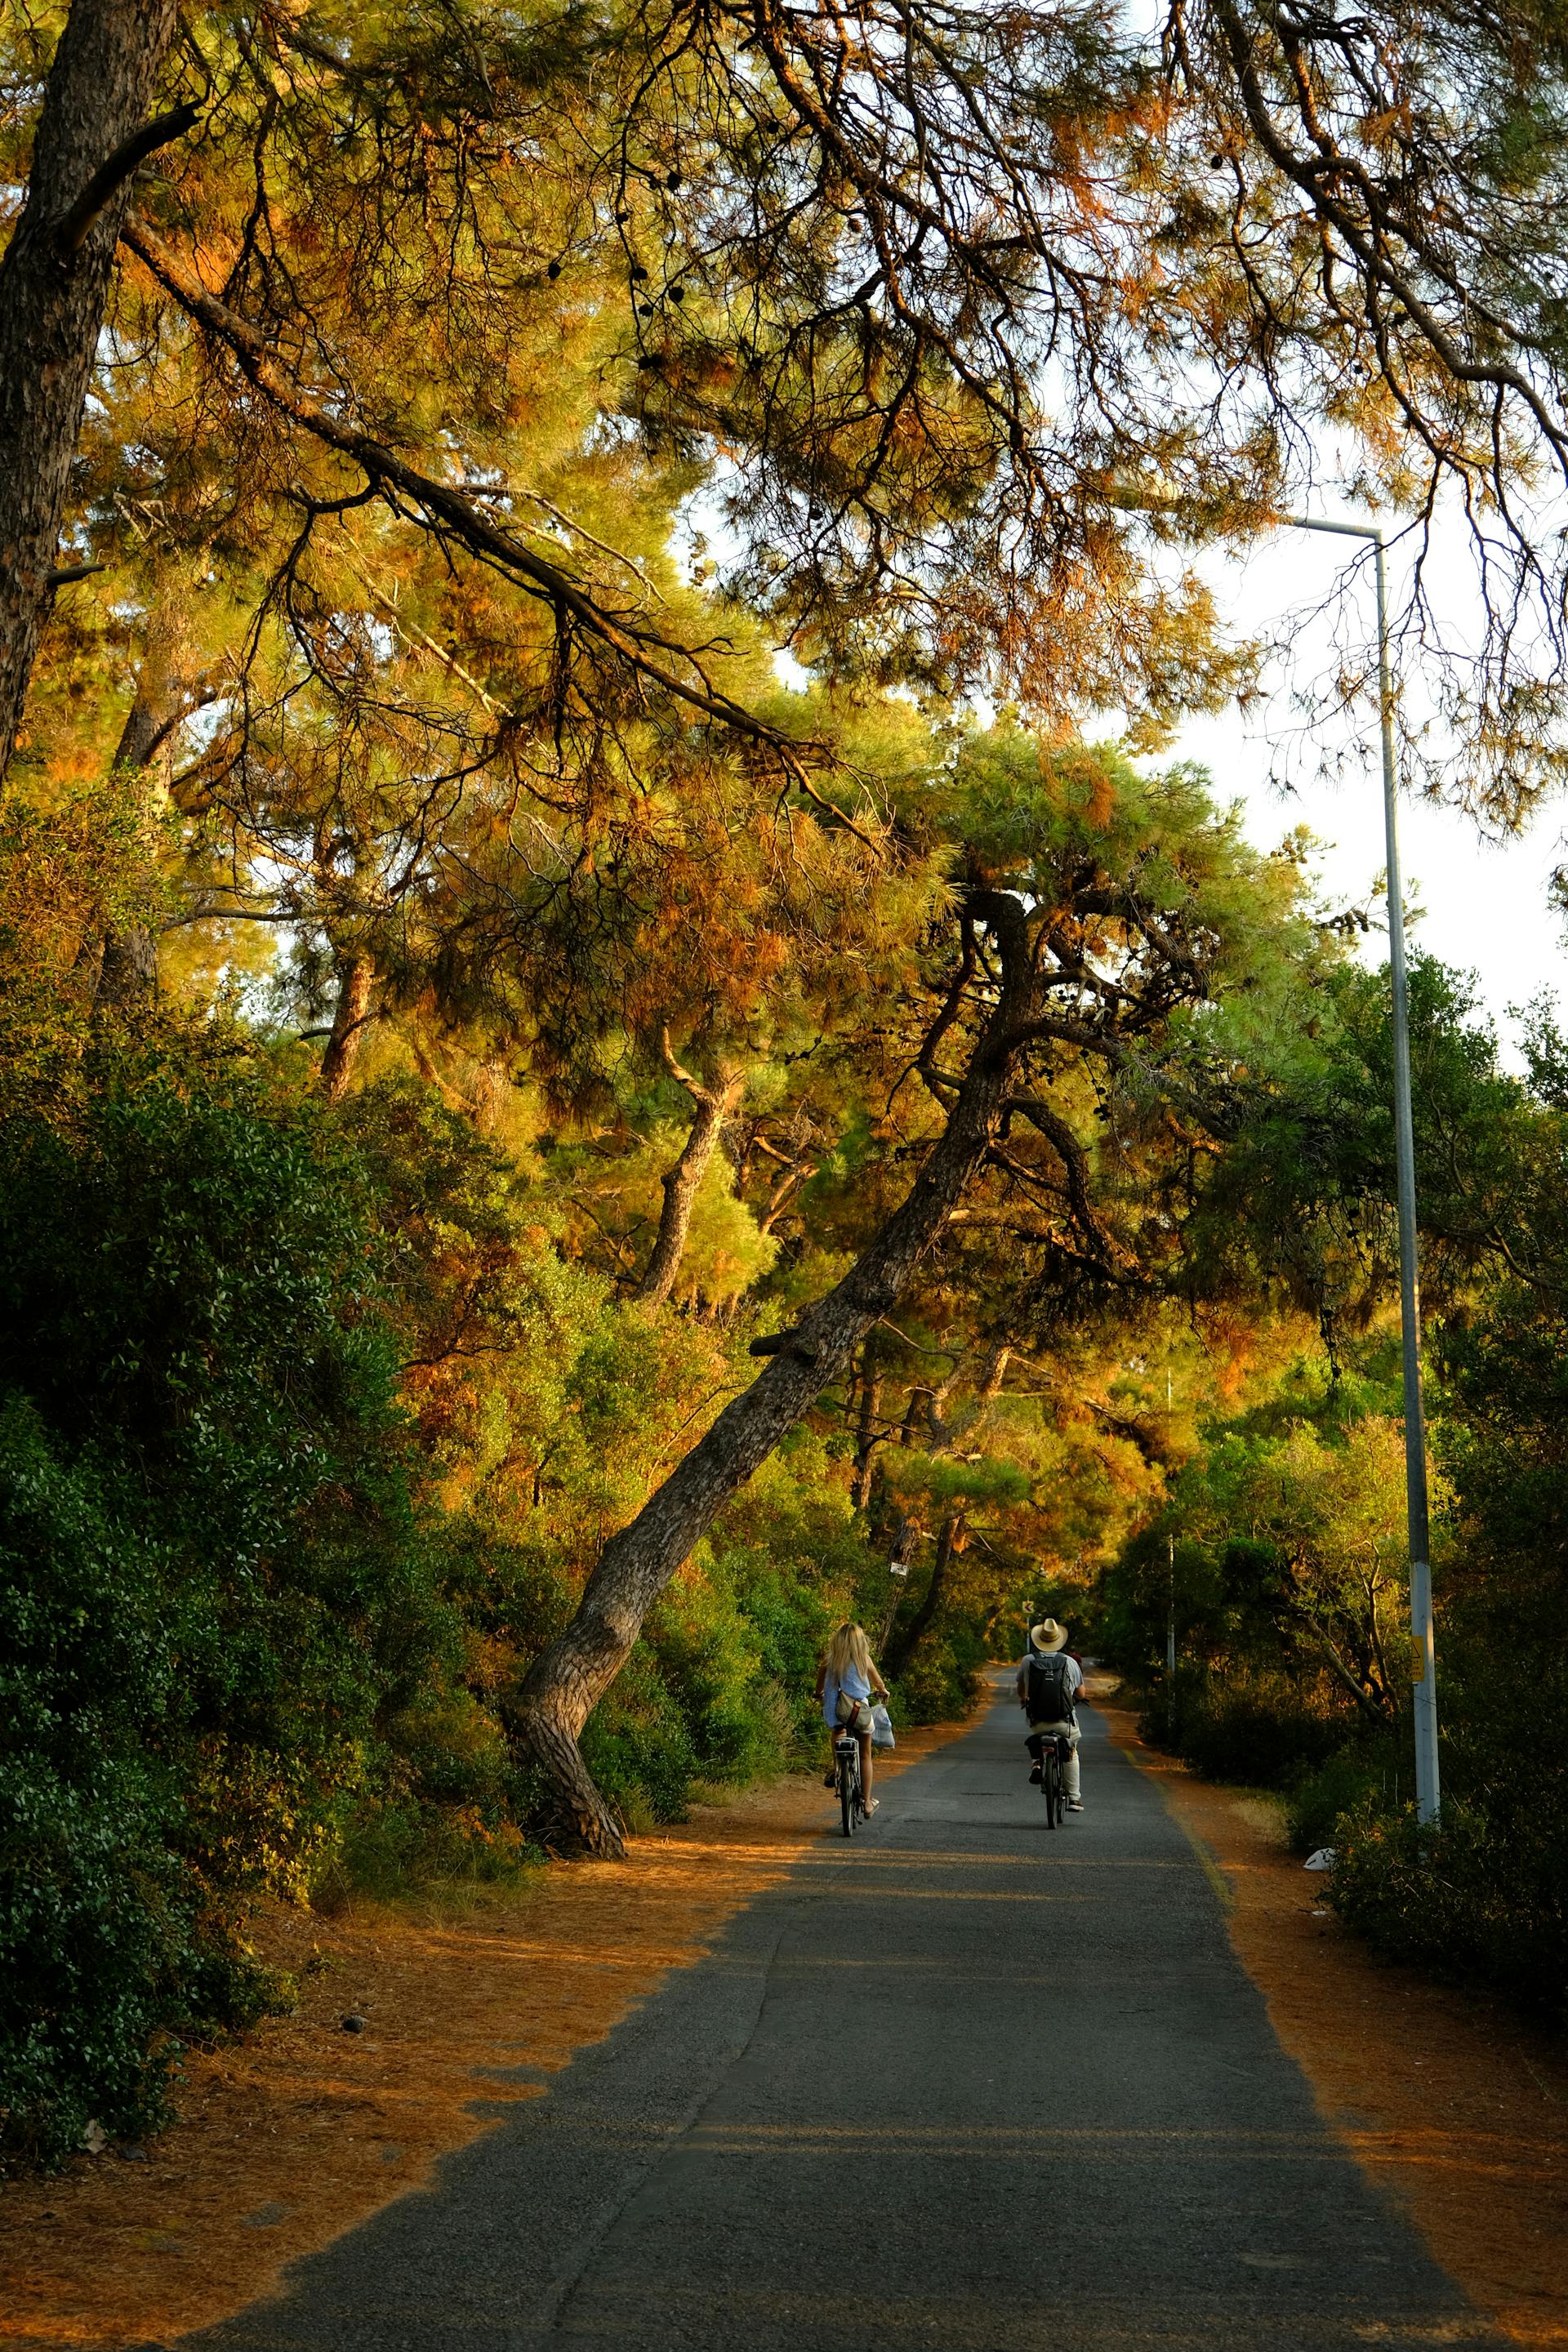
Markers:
<point>1424,1649</point>
<point>1424,1642</point>
<point>1171,1640</point>
<point>1424,1653</point>
<point>1171,1605</point>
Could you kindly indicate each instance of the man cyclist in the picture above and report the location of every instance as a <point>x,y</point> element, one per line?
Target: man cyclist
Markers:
<point>1050,1680</point>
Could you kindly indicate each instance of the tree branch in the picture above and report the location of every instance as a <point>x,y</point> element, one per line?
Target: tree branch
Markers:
<point>112,173</point>
<point>646,652</point>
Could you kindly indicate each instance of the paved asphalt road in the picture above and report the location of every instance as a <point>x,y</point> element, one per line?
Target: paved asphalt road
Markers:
<point>962,2083</point>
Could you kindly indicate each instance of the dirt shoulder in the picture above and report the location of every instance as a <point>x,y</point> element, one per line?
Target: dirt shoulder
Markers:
<point>1447,2097</point>
<point>304,2129</point>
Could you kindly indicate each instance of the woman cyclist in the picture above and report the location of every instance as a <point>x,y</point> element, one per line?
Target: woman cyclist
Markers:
<point>845,1682</point>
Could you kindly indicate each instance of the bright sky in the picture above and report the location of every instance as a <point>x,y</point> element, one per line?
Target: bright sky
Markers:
<point>1484,905</point>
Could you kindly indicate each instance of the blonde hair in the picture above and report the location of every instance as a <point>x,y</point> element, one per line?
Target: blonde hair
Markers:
<point>849,1648</point>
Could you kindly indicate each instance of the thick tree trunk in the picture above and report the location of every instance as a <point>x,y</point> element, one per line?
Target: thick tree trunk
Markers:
<point>900,1653</point>
<point>711,1105</point>
<point>349,1024</point>
<point>129,972</point>
<point>571,1676</point>
<point>53,289</point>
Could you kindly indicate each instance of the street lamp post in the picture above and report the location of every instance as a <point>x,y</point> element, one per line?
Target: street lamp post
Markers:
<point>1424,1653</point>
<point>1423,1646</point>
<point>1170,1638</point>
<point>1171,1602</point>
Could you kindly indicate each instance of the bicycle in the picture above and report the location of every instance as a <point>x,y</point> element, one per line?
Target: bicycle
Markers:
<point>851,1794</point>
<point>1053,1754</point>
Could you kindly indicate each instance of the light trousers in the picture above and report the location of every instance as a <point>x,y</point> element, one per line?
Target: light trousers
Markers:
<point>1069,1770</point>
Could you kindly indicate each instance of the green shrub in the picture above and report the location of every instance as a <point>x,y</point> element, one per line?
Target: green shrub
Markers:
<point>639,1746</point>
<point>213,1596</point>
<point>694,1703</point>
<point>111,1950</point>
<point>940,1682</point>
<point>791,1622</point>
<point>1464,1900</point>
<point>1259,1729</point>
<point>1485,1895</point>
<point>392,1848</point>
<point>108,1934</point>
<point>1360,1775</point>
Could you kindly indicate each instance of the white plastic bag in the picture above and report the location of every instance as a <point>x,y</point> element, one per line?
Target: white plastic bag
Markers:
<point>1323,1859</point>
<point>881,1728</point>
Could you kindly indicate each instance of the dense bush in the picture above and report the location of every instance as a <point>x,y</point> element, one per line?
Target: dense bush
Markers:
<point>1486,1894</point>
<point>1247,1725</point>
<point>110,1940</point>
<point>1365,1776</point>
<point>942,1677</point>
<point>212,1588</point>
<point>1483,1896</point>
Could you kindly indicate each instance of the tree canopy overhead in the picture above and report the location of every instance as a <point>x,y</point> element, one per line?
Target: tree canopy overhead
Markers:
<point>910,301</point>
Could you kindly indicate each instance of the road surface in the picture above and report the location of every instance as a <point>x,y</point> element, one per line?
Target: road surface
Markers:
<point>962,2082</point>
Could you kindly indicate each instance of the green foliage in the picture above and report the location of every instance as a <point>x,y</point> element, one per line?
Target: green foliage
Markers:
<point>212,1591</point>
<point>1287,1516</point>
<point>1248,1725</point>
<point>1481,1898</point>
<point>110,1942</point>
<point>940,1681</point>
<point>1351,1779</point>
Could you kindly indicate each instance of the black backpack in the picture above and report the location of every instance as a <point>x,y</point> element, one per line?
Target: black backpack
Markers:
<point>1050,1696</point>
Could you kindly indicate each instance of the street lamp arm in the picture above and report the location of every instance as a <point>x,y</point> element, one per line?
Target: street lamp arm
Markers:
<point>1371,532</point>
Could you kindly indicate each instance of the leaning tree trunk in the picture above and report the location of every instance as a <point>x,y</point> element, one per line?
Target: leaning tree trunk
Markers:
<point>711,1105</point>
<point>900,1651</point>
<point>54,290</point>
<point>866,1438</point>
<point>681,1185</point>
<point>569,1678</point>
<point>356,981</point>
<point>128,964</point>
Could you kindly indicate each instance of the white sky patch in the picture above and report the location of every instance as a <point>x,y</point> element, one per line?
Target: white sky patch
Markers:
<point>1483,901</point>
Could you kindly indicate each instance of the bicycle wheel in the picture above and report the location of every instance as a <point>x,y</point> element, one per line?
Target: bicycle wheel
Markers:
<point>848,1795</point>
<point>1051,1781</point>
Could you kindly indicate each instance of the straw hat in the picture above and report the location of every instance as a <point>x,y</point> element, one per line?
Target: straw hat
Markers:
<point>1048,1634</point>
